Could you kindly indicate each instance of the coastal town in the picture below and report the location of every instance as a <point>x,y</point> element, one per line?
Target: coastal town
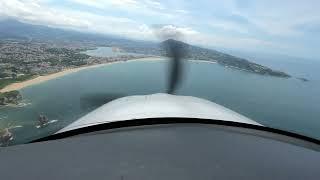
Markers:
<point>21,61</point>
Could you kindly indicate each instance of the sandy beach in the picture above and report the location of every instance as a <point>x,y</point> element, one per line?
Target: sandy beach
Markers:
<point>41,79</point>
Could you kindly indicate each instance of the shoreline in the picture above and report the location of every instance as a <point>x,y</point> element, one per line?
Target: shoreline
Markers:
<point>41,79</point>
<point>206,61</point>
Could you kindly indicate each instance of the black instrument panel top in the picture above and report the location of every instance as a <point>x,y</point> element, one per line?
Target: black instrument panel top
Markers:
<point>171,151</point>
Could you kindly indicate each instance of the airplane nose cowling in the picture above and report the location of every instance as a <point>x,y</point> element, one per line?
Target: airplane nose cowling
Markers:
<point>157,106</point>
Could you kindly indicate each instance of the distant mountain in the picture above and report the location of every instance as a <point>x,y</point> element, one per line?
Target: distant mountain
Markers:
<point>198,53</point>
<point>17,30</point>
<point>11,29</point>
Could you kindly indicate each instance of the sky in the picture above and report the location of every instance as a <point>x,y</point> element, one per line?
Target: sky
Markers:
<point>288,27</point>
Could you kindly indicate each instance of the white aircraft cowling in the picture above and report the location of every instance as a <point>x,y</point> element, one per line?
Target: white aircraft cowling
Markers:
<point>157,106</point>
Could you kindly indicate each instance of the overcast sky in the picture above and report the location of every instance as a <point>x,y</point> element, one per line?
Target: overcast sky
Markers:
<point>290,27</point>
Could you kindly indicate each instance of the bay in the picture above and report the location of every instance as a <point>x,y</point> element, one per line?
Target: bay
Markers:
<point>287,104</point>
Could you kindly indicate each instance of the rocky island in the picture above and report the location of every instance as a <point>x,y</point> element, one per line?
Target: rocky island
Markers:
<point>10,98</point>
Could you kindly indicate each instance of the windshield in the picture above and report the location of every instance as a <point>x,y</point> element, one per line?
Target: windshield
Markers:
<point>60,60</point>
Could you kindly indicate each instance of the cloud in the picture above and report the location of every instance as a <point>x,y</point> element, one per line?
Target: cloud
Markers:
<point>101,4</point>
<point>34,12</point>
<point>270,25</point>
<point>228,26</point>
<point>281,18</point>
<point>172,32</point>
<point>192,36</point>
<point>155,4</point>
<point>182,11</point>
<point>142,7</point>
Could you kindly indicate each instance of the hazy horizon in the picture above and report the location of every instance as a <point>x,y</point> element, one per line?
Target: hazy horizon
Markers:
<point>252,26</point>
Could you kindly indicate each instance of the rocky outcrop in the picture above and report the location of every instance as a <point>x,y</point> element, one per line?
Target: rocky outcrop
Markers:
<point>10,98</point>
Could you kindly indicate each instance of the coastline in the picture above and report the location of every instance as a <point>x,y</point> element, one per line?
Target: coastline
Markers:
<point>206,61</point>
<point>41,79</point>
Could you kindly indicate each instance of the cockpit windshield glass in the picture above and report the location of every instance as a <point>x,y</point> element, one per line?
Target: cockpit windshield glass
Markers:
<point>60,60</point>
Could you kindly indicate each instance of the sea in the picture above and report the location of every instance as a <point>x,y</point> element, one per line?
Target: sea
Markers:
<point>287,104</point>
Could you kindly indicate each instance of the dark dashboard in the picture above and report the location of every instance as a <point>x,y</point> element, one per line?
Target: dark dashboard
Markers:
<point>165,151</point>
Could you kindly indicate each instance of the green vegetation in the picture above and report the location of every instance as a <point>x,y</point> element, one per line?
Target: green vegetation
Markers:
<point>68,57</point>
<point>9,94</point>
<point>58,51</point>
<point>12,97</point>
<point>53,61</point>
<point>6,82</point>
<point>72,54</point>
